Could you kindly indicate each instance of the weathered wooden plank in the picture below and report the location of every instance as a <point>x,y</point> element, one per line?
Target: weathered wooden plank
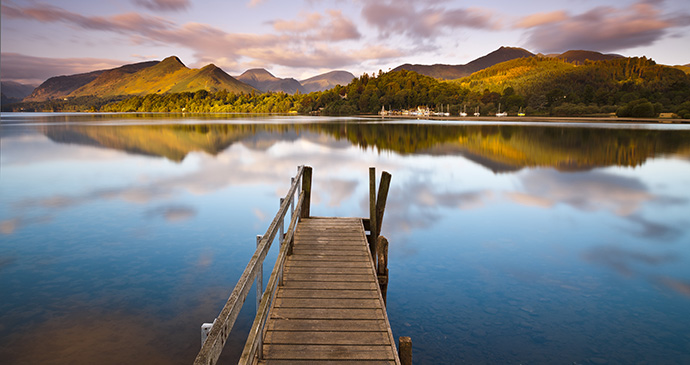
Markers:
<point>330,285</point>
<point>325,251</point>
<point>325,338</point>
<point>318,313</point>
<point>327,277</point>
<point>326,303</point>
<point>338,258</point>
<point>325,362</point>
<point>333,237</point>
<point>319,263</point>
<point>328,352</point>
<point>331,244</point>
<point>326,293</point>
<point>328,270</point>
<point>352,325</point>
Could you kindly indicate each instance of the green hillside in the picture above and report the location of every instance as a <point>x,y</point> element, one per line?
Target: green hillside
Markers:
<point>168,76</point>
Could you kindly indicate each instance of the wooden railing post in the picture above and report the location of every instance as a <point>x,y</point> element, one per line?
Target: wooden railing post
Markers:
<point>306,187</point>
<point>382,266</point>
<point>372,212</point>
<point>405,350</point>
<point>381,200</point>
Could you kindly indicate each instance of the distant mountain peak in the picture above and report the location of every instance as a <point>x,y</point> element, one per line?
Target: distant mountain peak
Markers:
<point>257,74</point>
<point>327,80</point>
<point>450,72</point>
<point>173,60</point>
<point>580,56</point>
<point>265,81</point>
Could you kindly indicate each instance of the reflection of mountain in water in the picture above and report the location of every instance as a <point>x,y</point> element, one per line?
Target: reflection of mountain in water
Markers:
<point>499,148</point>
<point>170,141</point>
<point>510,148</point>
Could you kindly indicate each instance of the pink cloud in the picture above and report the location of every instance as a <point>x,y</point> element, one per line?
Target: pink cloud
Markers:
<point>538,19</point>
<point>122,23</point>
<point>311,27</point>
<point>603,28</point>
<point>308,22</point>
<point>422,21</point>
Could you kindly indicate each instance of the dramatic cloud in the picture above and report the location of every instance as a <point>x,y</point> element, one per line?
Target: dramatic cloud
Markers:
<point>123,23</point>
<point>603,28</point>
<point>538,19</point>
<point>421,20</point>
<point>34,70</point>
<point>312,27</point>
<point>163,5</point>
<point>305,43</point>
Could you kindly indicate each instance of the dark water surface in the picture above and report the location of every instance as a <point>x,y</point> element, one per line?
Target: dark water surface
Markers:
<point>509,243</point>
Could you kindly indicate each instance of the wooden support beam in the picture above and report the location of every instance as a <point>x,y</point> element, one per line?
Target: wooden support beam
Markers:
<point>372,212</point>
<point>382,265</point>
<point>405,350</point>
<point>306,187</point>
<point>381,200</point>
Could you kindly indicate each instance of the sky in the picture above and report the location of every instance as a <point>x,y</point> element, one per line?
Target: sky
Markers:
<point>304,38</point>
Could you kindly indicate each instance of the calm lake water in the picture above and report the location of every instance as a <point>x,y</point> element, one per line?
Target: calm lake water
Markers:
<point>509,243</point>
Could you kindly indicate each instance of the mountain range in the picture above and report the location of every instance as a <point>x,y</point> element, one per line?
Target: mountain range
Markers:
<point>503,54</point>
<point>172,76</point>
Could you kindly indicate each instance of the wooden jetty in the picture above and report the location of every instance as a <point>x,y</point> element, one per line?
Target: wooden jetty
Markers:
<point>325,299</point>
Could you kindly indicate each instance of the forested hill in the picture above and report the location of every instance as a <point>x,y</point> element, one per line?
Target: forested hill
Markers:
<point>540,83</point>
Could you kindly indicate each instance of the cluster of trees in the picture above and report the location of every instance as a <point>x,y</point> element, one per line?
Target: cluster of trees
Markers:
<point>629,87</point>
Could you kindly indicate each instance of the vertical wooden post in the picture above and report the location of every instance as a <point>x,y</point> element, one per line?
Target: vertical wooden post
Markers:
<point>382,267</point>
<point>381,200</point>
<point>405,350</point>
<point>292,199</point>
<point>306,187</point>
<point>372,212</point>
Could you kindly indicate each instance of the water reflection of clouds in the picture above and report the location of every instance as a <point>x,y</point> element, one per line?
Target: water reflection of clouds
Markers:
<point>340,190</point>
<point>623,260</point>
<point>589,191</point>
<point>652,230</point>
<point>37,148</point>
<point>596,191</point>
<point>172,213</point>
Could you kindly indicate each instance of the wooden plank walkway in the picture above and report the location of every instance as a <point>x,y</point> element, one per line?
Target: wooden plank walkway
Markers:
<point>329,308</point>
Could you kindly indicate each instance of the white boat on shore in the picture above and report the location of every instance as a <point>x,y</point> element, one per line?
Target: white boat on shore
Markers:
<point>499,114</point>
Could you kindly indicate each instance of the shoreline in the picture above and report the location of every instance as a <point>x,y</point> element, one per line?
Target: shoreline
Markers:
<point>527,119</point>
<point>488,118</point>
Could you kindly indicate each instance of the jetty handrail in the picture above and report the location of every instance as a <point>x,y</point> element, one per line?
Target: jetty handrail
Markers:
<point>255,337</point>
<point>220,330</point>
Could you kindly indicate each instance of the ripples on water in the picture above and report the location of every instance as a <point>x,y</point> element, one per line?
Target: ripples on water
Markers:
<point>510,243</point>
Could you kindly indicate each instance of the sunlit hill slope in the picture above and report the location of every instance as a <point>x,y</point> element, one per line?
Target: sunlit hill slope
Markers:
<point>168,76</point>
